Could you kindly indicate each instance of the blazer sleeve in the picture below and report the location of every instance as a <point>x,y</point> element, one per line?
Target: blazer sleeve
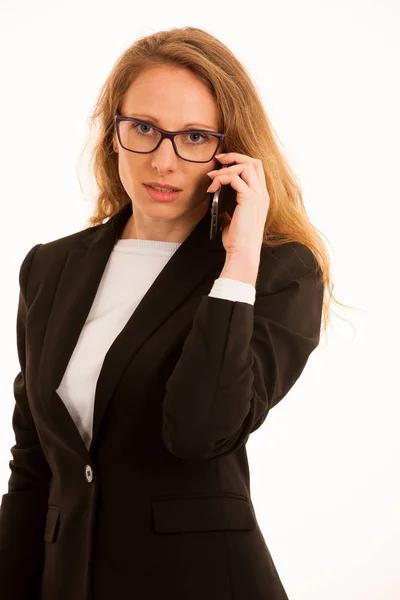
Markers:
<point>239,360</point>
<point>24,507</point>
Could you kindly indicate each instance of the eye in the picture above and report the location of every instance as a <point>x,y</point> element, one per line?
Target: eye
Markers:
<point>137,125</point>
<point>203,138</point>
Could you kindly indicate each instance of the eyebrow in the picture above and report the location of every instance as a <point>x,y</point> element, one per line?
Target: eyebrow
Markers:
<point>157,122</point>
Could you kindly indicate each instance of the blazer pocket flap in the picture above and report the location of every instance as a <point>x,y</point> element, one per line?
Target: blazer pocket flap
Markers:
<point>52,521</point>
<point>175,515</point>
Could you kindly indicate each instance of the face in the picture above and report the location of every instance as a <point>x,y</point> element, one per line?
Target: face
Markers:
<point>175,97</point>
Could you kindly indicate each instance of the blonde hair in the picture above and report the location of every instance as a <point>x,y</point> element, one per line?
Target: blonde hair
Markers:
<point>243,120</point>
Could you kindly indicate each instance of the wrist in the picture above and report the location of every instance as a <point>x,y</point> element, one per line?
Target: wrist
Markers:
<point>241,268</point>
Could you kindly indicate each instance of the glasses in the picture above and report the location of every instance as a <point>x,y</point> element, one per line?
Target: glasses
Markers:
<point>139,136</point>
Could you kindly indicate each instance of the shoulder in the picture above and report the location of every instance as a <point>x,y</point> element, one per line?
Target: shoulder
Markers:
<point>65,243</point>
<point>290,261</point>
<point>45,256</point>
<point>291,255</point>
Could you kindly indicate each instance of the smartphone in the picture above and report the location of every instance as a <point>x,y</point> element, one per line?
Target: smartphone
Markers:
<point>223,200</point>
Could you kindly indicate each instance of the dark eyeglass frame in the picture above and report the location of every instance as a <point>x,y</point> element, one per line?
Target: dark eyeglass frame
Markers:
<point>170,135</point>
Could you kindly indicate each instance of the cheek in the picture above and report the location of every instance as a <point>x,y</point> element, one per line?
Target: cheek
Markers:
<point>129,173</point>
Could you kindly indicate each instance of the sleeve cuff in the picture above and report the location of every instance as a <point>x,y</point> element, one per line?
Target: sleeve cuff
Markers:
<point>231,289</point>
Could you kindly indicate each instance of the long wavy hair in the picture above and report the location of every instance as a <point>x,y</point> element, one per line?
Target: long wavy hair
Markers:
<point>244,122</point>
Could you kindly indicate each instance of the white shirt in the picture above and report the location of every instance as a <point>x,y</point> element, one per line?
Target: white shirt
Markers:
<point>131,269</point>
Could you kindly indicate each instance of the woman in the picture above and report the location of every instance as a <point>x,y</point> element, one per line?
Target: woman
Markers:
<point>149,353</point>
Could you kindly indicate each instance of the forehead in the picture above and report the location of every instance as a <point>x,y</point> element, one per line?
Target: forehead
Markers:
<point>173,95</point>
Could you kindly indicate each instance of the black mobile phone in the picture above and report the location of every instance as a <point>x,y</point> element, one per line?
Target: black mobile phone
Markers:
<point>223,200</point>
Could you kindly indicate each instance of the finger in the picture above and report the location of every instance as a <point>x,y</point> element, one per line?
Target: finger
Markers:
<point>243,158</point>
<point>246,172</point>
<point>234,180</point>
<point>234,157</point>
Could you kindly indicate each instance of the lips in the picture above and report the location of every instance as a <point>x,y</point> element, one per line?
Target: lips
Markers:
<point>161,196</point>
<point>163,185</point>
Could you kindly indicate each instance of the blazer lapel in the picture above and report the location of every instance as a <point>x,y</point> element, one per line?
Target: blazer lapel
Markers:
<point>196,259</point>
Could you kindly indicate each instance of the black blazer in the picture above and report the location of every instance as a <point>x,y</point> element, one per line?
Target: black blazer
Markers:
<point>160,505</point>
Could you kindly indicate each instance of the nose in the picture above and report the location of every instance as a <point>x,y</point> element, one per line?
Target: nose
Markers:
<point>164,158</point>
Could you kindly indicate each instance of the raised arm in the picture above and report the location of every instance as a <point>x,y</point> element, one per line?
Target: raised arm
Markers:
<point>240,360</point>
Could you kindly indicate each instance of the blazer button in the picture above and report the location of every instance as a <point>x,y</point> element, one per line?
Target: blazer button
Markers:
<point>89,473</point>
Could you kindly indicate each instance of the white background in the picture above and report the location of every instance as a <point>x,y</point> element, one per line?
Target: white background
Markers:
<point>325,464</point>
